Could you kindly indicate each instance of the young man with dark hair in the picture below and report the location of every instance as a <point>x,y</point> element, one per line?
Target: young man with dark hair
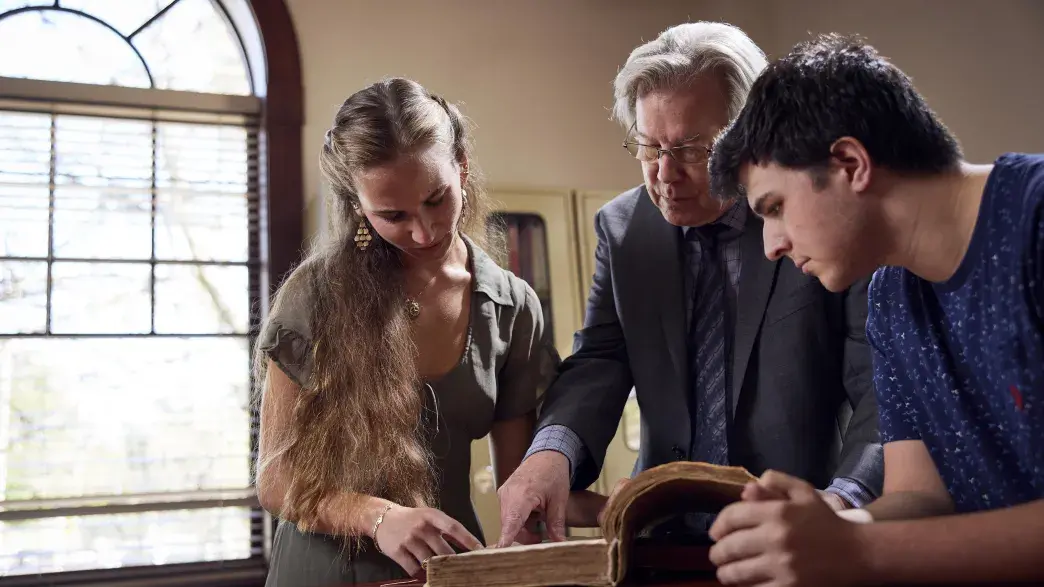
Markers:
<point>851,171</point>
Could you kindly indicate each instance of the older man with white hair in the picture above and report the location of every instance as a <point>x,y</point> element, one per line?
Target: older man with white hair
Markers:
<point>735,359</point>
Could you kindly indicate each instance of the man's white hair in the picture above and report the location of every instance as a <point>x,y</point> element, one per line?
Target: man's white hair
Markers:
<point>682,53</point>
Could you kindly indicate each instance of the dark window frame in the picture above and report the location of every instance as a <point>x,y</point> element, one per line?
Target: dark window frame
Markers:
<point>279,246</point>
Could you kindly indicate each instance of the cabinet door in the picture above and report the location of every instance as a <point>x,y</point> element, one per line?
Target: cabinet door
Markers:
<point>623,449</point>
<point>541,248</point>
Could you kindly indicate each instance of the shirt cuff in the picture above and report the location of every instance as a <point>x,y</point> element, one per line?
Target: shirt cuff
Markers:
<point>851,491</point>
<point>560,439</point>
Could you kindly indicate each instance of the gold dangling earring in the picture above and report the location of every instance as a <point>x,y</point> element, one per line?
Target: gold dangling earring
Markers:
<point>464,206</point>
<point>362,236</point>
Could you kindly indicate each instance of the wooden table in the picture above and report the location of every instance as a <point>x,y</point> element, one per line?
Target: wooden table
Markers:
<point>686,583</point>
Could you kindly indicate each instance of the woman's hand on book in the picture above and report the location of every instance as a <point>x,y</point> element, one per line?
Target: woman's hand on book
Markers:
<point>410,536</point>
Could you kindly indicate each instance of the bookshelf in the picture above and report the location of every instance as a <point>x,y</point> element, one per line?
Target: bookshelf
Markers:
<point>540,245</point>
<point>525,239</point>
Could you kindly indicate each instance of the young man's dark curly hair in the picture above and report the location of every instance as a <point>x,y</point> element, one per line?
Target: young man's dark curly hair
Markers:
<point>829,87</point>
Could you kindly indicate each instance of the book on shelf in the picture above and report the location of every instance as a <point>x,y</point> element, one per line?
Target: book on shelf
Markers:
<point>651,497</point>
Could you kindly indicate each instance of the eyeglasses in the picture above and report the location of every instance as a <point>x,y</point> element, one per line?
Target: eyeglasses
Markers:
<point>684,154</point>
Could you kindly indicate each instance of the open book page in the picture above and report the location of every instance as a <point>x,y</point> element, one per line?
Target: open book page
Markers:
<point>578,562</point>
<point>652,495</point>
<point>672,488</point>
<point>667,490</point>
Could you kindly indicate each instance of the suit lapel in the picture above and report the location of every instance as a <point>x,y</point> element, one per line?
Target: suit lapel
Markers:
<point>660,270</point>
<point>757,276</point>
<point>672,302</point>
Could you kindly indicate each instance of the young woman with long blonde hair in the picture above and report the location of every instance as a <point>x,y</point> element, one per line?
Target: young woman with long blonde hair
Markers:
<point>396,343</point>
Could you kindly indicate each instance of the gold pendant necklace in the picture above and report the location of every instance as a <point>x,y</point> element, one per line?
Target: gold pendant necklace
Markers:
<point>413,307</point>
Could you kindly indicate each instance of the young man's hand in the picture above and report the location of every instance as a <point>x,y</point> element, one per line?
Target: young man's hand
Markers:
<point>758,492</point>
<point>796,540</point>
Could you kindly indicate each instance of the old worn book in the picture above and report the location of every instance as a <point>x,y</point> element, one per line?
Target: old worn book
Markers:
<point>650,497</point>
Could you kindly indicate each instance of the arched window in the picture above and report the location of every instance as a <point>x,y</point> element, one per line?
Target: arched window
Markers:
<point>133,266</point>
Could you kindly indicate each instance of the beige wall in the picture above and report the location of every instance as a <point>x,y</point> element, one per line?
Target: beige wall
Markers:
<point>534,75</point>
<point>977,62</point>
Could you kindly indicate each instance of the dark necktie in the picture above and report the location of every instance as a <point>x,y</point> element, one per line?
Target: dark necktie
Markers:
<point>707,341</point>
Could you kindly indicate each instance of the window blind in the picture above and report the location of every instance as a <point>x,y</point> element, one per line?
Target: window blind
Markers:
<point>129,292</point>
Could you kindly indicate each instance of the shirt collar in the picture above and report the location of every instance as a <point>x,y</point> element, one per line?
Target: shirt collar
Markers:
<point>735,218</point>
<point>489,278</point>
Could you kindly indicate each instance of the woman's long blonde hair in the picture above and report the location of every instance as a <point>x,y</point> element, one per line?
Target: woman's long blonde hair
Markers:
<point>356,425</point>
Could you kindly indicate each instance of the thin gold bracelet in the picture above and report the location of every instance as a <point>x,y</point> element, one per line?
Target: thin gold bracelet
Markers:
<point>380,519</point>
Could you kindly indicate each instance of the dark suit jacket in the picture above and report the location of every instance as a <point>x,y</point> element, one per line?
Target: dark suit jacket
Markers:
<point>801,400</point>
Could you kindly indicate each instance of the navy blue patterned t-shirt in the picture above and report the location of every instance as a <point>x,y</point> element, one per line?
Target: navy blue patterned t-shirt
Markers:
<point>960,364</point>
